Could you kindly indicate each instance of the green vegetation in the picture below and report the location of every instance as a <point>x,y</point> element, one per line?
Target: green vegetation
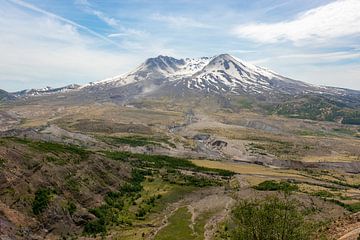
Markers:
<point>245,103</point>
<point>322,194</point>
<point>317,108</point>
<point>137,140</point>
<point>133,203</point>
<point>352,117</point>
<point>281,149</point>
<point>178,227</point>
<point>307,132</point>
<point>2,162</point>
<point>272,218</point>
<point>345,131</point>
<point>59,148</point>
<point>113,210</point>
<point>72,184</point>
<point>133,141</point>
<point>42,199</point>
<point>55,148</point>
<point>161,161</point>
<point>116,207</point>
<point>71,207</point>
<point>354,207</point>
<point>271,185</point>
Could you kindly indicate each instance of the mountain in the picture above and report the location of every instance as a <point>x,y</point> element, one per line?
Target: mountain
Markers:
<point>45,91</point>
<point>221,74</point>
<point>4,95</point>
<point>159,70</point>
<point>222,77</point>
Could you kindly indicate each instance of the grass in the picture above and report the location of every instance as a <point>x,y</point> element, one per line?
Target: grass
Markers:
<point>178,227</point>
<point>200,222</point>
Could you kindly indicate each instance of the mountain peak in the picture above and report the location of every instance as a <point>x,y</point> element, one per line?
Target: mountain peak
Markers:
<point>225,56</point>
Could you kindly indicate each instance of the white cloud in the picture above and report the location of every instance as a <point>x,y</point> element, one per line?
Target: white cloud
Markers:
<point>311,58</point>
<point>337,19</point>
<point>343,76</point>
<point>179,21</point>
<point>39,50</point>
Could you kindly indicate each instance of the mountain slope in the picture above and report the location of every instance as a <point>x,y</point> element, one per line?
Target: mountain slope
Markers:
<point>223,78</point>
<point>4,95</point>
<point>226,74</point>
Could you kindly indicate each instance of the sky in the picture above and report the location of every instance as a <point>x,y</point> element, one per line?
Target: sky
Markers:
<point>60,42</point>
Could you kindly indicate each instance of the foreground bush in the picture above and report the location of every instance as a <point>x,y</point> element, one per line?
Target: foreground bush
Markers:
<point>269,219</point>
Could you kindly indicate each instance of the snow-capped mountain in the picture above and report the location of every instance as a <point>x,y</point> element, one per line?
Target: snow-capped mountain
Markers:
<point>219,79</point>
<point>161,69</point>
<point>221,74</point>
<point>46,90</point>
<point>227,74</point>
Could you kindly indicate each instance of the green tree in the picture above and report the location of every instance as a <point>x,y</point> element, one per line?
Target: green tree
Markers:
<point>270,219</point>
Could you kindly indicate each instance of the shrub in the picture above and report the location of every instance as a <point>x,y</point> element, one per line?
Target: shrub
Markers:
<point>94,227</point>
<point>272,218</point>
<point>271,185</point>
<point>71,207</point>
<point>323,194</point>
<point>42,199</point>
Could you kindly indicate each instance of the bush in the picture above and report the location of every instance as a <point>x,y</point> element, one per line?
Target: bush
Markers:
<point>323,194</point>
<point>42,199</point>
<point>71,207</point>
<point>272,218</point>
<point>94,227</point>
<point>271,185</point>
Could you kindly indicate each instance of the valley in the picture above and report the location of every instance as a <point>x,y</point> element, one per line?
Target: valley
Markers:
<point>146,157</point>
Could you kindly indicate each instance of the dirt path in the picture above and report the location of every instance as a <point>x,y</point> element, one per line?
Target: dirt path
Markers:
<point>211,226</point>
<point>169,211</point>
<point>347,228</point>
<point>197,203</point>
<point>352,235</point>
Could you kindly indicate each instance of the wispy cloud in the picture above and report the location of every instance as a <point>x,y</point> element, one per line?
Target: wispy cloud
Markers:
<point>126,32</point>
<point>337,19</point>
<point>57,17</point>
<point>179,21</point>
<point>86,6</point>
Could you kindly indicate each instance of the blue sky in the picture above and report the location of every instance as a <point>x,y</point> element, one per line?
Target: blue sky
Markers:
<point>59,42</point>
